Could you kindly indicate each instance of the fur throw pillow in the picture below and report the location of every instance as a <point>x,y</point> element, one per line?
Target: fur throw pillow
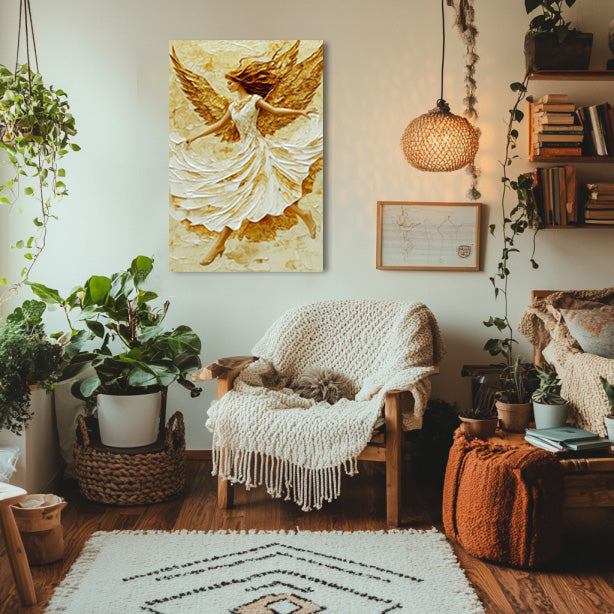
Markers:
<point>323,384</point>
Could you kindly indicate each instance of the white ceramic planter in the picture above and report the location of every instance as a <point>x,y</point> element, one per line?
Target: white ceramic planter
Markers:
<point>549,416</point>
<point>129,421</point>
<point>609,424</point>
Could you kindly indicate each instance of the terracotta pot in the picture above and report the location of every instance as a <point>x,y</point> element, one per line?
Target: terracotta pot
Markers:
<point>542,51</point>
<point>482,429</point>
<point>514,417</point>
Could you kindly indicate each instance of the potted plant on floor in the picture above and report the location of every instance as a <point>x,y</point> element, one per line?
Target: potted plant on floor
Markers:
<point>127,380</point>
<point>550,43</point>
<point>549,407</point>
<point>609,419</point>
<point>481,420</point>
<point>514,396</point>
<point>28,359</point>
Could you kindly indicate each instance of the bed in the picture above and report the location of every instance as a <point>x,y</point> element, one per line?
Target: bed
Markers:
<point>574,331</point>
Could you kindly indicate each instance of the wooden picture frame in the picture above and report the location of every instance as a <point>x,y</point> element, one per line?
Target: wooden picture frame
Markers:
<point>417,236</point>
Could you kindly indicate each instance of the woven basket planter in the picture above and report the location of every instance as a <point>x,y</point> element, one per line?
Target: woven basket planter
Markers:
<point>134,476</point>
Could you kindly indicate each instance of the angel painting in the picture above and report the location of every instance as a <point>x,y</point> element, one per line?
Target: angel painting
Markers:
<point>246,150</point>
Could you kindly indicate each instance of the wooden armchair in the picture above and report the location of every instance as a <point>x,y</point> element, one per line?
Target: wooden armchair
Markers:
<point>386,447</point>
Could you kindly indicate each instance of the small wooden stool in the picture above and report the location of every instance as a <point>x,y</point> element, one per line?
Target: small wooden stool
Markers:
<point>14,546</point>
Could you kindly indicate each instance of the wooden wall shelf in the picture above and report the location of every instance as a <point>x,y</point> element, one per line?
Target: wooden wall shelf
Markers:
<point>575,226</point>
<point>584,159</point>
<point>573,75</point>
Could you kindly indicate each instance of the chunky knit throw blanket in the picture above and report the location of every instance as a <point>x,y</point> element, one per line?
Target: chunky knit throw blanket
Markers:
<point>544,326</point>
<point>297,447</point>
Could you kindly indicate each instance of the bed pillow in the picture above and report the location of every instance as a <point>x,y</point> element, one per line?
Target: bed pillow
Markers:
<point>591,324</point>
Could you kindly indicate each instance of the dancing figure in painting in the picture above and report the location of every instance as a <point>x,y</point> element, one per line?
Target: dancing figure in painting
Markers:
<point>255,191</point>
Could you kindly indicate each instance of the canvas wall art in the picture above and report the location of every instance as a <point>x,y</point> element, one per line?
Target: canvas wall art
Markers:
<point>428,236</point>
<point>246,155</point>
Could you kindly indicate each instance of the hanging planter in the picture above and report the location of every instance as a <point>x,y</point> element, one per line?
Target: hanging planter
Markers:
<point>36,128</point>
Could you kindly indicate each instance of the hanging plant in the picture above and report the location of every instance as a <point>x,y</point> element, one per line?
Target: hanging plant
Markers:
<point>522,216</point>
<point>36,128</point>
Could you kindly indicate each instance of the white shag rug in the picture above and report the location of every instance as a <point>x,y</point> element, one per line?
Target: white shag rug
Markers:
<point>163,572</point>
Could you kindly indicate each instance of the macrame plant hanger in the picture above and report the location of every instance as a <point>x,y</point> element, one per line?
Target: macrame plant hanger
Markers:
<point>25,19</point>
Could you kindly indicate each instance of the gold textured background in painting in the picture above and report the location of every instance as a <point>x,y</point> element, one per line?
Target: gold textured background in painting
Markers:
<point>278,243</point>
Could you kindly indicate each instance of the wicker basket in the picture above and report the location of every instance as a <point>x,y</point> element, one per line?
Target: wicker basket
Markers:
<point>133,476</point>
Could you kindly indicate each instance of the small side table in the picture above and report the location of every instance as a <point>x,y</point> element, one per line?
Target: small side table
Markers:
<point>588,481</point>
<point>14,546</point>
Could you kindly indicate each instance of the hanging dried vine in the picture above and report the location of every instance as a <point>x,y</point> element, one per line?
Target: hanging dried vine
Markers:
<point>465,22</point>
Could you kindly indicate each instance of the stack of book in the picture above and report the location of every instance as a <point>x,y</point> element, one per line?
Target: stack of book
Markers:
<point>556,131</point>
<point>599,207</point>
<point>555,195</point>
<point>565,438</point>
<point>598,123</point>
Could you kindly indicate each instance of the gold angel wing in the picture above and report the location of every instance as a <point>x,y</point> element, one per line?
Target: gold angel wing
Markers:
<point>209,105</point>
<point>295,90</point>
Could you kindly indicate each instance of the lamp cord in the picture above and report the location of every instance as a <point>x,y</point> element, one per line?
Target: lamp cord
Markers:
<point>443,46</point>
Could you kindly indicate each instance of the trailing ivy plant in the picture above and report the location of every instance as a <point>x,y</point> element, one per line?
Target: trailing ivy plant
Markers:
<point>35,132</point>
<point>551,17</point>
<point>516,219</point>
<point>27,357</point>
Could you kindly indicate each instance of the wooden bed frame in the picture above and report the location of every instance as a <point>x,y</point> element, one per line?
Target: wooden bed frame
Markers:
<point>384,447</point>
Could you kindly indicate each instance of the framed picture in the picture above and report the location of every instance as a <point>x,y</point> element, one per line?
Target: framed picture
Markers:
<point>428,236</point>
<point>246,155</point>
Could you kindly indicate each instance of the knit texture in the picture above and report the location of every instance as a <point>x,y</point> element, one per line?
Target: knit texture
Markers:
<point>503,504</point>
<point>297,447</point>
<point>544,326</point>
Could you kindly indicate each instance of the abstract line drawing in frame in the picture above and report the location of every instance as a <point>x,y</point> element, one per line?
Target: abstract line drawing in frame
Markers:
<point>246,155</point>
<point>428,236</point>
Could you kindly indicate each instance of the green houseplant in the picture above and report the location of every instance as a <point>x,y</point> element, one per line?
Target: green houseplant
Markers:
<point>551,43</point>
<point>131,356</point>
<point>481,419</point>
<point>28,358</point>
<point>609,419</point>
<point>35,132</point>
<point>514,396</point>
<point>549,407</point>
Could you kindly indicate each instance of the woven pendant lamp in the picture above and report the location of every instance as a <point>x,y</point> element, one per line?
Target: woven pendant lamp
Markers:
<point>440,141</point>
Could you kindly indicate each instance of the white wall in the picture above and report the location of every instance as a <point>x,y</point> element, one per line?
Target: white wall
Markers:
<point>382,70</point>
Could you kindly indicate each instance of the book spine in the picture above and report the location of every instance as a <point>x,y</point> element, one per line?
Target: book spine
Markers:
<point>560,152</point>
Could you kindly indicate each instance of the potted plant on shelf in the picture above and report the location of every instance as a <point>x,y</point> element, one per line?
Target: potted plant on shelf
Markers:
<point>609,419</point>
<point>549,407</point>
<point>550,43</point>
<point>514,396</point>
<point>481,420</point>
<point>28,359</point>
<point>127,380</point>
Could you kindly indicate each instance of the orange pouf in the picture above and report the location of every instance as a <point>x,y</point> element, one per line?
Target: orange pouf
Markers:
<point>503,504</point>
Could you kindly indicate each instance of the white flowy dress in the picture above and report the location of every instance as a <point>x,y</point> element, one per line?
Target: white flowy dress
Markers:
<point>263,177</point>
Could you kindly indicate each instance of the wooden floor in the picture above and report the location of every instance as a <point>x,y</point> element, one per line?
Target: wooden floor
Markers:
<point>582,581</point>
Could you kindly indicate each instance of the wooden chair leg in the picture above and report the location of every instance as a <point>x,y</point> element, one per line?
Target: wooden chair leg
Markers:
<point>225,493</point>
<point>17,555</point>
<point>394,458</point>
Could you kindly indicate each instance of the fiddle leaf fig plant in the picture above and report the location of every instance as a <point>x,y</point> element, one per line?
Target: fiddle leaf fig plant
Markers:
<point>551,17</point>
<point>36,128</point>
<point>123,340</point>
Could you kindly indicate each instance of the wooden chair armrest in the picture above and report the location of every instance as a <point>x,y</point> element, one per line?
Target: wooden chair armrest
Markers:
<point>223,368</point>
